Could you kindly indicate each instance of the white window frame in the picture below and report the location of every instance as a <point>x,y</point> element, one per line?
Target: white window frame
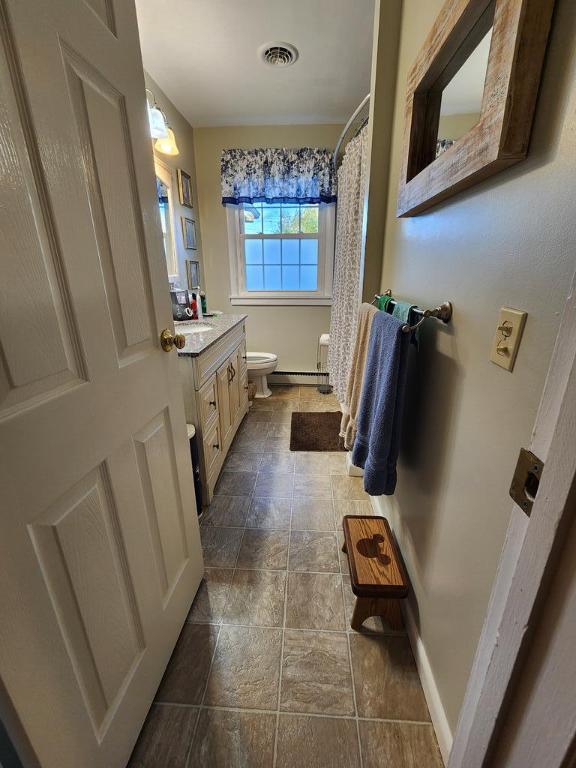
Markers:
<point>322,296</point>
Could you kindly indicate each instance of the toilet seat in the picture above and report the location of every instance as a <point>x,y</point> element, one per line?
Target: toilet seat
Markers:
<point>257,360</point>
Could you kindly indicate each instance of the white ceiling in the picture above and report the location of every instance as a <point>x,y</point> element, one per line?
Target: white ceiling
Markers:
<point>203,54</point>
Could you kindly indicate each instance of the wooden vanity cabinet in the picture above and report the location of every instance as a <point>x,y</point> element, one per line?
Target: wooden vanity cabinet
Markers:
<point>215,385</point>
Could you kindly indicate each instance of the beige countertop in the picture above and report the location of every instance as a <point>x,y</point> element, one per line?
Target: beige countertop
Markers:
<point>199,341</point>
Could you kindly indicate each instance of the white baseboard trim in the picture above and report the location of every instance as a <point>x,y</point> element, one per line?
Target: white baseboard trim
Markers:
<point>437,713</point>
<point>431,693</point>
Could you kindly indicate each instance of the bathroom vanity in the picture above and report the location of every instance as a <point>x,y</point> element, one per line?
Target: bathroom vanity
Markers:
<point>215,385</point>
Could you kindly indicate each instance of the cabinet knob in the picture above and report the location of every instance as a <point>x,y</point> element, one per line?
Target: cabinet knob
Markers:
<point>216,445</point>
<point>212,402</point>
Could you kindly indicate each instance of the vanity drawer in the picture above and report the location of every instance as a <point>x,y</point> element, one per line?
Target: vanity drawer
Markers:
<point>208,397</point>
<point>212,448</point>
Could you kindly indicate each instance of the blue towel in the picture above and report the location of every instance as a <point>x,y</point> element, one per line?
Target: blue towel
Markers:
<point>379,419</point>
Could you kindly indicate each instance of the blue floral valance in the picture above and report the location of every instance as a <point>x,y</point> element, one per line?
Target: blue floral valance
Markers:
<point>303,175</point>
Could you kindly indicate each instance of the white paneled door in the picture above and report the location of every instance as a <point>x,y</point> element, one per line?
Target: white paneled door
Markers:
<point>99,543</point>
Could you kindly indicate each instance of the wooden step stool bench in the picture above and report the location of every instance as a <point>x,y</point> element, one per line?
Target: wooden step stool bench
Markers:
<point>377,573</point>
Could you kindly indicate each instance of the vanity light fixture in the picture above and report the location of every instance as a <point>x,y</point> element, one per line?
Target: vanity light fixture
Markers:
<point>159,129</point>
<point>156,119</point>
<point>168,145</point>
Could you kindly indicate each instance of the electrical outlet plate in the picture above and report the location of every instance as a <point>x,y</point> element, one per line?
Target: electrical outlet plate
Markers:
<point>507,337</point>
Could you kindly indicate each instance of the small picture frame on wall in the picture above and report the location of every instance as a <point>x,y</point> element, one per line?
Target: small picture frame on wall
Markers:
<point>184,188</point>
<point>192,274</point>
<point>188,233</point>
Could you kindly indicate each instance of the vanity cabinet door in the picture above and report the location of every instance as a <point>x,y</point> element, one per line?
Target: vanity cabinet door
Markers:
<point>223,376</point>
<point>234,386</point>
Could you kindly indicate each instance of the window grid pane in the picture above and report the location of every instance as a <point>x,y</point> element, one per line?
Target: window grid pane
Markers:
<point>280,263</point>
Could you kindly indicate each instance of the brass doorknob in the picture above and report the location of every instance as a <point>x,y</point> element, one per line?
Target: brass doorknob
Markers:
<point>169,340</point>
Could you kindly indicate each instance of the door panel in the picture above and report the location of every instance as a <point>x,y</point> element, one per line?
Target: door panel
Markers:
<point>224,406</point>
<point>95,473</point>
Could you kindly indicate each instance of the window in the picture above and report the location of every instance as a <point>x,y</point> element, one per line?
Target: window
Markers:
<point>281,253</point>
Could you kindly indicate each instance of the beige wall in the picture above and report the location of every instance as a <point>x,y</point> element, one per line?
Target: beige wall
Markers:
<point>455,126</point>
<point>508,241</point>
<point>291,332</point>
<point>185,160</point>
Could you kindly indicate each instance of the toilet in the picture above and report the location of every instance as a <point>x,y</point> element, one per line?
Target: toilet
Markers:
<point>260,365</point>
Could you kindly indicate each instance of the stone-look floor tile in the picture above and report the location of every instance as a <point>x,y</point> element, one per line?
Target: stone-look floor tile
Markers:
<point>288,405</point>
<point>245,671</point>
<point>220,545</point>
<point>165,737</point>
<point>227,739</point>
<point>312,514</point>
<point>211,597</point>
<point>344,566</point>
<point>285,391</point>
<point>258,415</point>
<point>310,392</point>
<point>280,417</point>
<point>269,513</point>
<point>386,678</point>
<point>279,463</point>
<point>253,429</point>
<point>273,485</point>
<point>399,745</point>
<point>235,484</point>
<point>348,488</point>
<point>242,462</point>
<point>187,670</point>
<point>256,597</point>
<point>320,463</point>
<point>350,507</point>
<point>314,486</point>
<point>266,550</point>
<point>248,444</point>
<point>227,511</point>
<point>317,742</point>
<point>278,430</point>
<point>314,601</point>
<point>313,551</point>
<point>317,406</point>
<point>316,673</point>
<point>276,444</point>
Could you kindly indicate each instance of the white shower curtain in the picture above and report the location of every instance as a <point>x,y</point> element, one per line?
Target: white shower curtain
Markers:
<point>352,179</point>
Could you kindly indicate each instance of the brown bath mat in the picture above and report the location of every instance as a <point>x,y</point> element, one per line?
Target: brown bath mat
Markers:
<point>316,431</point>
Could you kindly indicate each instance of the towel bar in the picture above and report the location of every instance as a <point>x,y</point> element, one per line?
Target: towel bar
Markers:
<point>441,312</point>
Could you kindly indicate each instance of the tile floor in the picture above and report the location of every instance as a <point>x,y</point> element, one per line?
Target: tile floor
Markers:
<point>267,672</point>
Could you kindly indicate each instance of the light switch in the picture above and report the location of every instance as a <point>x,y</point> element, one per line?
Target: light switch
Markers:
<point>507,337</point>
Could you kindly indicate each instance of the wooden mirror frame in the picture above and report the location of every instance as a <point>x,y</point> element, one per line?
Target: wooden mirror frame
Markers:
<point>501,136</point>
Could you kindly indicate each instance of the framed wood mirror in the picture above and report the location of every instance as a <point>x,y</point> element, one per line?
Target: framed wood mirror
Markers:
<point>471,97</point>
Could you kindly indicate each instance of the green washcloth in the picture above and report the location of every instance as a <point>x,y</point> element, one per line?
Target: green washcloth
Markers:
<point>383,301</point>
<point>403,311</point>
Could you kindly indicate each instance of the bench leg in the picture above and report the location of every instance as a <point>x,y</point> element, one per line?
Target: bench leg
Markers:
<point>389,610</point>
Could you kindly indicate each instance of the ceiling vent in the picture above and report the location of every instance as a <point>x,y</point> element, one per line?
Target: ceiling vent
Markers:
<point>278,54</point>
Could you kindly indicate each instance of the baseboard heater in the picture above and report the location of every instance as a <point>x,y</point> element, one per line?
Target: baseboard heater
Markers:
<point>299,373</point>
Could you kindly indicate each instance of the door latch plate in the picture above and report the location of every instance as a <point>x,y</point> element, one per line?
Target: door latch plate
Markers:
<point>526,480</point>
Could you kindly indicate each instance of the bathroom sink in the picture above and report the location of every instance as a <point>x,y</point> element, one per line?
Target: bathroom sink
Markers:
<point>196,327</point>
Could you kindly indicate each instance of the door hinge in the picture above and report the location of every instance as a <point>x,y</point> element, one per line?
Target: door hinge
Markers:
<point>526,480</point>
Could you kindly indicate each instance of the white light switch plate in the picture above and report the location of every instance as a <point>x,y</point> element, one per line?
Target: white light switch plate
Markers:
<point>507,337</point>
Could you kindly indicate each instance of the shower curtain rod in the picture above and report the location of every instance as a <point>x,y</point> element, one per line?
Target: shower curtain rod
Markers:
<point>441,312</point>
<point>357,112</point>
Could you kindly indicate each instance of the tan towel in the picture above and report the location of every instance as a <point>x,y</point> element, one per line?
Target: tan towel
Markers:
<point>350,407</point>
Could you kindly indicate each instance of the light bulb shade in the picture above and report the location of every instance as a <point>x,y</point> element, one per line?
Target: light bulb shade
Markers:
<point>168,145</point>
<point>158,127</point>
